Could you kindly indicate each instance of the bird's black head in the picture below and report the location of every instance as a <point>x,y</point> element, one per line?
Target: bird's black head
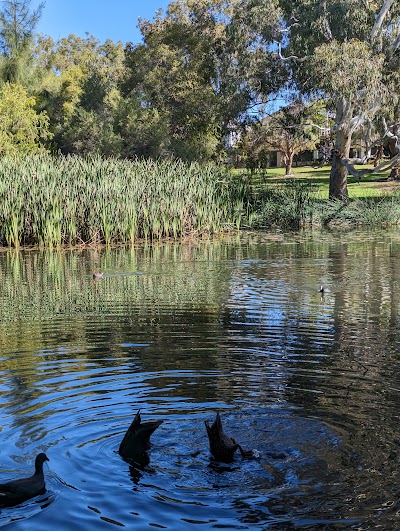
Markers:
<point>41,458</point>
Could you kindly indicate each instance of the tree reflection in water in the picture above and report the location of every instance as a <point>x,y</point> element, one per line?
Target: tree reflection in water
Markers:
<point>235,325</point>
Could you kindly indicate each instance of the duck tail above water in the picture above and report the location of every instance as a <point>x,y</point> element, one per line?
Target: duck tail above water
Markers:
<point>137,437</point>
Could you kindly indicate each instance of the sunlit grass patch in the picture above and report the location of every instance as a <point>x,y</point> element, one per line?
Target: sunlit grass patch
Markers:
<point>372,185</point>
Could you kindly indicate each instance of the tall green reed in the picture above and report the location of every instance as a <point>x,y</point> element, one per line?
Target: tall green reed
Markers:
<point>49,200</point>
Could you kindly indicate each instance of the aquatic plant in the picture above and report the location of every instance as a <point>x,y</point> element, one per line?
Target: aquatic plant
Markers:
<point>50,200</point>
<point>373,211</point>
<point>288,206</point>
<point>296,204</point>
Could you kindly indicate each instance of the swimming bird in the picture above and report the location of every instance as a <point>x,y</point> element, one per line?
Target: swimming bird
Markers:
<point>222,446</point>
<point>97,275</point>
<point>136,441</point>
<point>324,290</point>
<point>20,490</point>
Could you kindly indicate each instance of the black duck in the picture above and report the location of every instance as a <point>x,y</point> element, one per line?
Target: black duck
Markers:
<point>136,441</point>
<point>20,490</point>
<point>222,446</point>
<point>323,290</point>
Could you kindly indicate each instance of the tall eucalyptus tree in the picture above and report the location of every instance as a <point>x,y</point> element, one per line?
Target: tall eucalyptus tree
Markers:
<point>344,50</point>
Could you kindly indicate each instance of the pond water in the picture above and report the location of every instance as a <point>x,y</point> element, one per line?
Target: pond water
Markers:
<point>180,331</point>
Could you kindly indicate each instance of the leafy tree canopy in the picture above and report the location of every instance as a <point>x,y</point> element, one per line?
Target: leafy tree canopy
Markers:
<point>203,64</point>
<point>22,129</point>
<point>295,128</point>
<point>344,50</point>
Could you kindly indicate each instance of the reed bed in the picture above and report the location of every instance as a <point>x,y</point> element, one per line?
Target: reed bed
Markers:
<point>296,204</point>
<point>380,211</point>
<point>289,206</point>
<point>50,201</point>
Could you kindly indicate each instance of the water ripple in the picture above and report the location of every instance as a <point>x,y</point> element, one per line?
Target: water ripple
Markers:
<point>311,383</point>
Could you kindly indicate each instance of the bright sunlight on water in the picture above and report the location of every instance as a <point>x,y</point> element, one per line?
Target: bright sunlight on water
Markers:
<point>309,381</point>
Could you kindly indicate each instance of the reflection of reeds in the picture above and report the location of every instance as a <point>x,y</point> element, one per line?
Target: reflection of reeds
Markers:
<point>48,297</point>
<point>53,200</point>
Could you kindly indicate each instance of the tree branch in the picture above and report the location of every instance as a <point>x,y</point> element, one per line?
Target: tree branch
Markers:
<point>384,166</point>
<point>291,57</point>
<point>381,17</point>
<point>290,26</point>
<point>395,44</point>
<point>328,32</point>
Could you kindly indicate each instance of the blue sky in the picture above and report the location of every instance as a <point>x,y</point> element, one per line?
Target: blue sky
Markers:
<point>115,19</point>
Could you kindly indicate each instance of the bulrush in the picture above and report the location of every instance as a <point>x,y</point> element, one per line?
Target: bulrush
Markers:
<point>74,200</point>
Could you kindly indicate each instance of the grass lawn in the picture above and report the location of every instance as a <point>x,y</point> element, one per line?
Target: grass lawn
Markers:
<point>373,185</point>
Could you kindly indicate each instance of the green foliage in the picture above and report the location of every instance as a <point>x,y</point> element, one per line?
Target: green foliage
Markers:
<point>53,200</point>
<point>323,22</point>
<point>17,23</point>
<point>201,66</point>
<point>143,130</point>
<point>17,26</point>
<point>175,90</point>
<point>81,94</point>
<point>345,69</point>
<point>88,133</point>
<point>342,50</point>
<point>288,206</point>
<point>292,129</point>
<point>205,68</point>
<point>369,211</point>
<point>22,129</point>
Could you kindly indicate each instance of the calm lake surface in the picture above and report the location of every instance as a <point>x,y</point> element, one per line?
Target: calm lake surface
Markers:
<point>181,331</point>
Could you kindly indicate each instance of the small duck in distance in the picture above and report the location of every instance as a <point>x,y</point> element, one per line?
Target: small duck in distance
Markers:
<point>222,447</point>
<point>322,289</point>
<point>136,441</point>
<point>19,490</point>
<point>97,275</point>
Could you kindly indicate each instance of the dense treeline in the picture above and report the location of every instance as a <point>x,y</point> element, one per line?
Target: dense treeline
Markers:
<point>205,69</point>
<point>175,95</point>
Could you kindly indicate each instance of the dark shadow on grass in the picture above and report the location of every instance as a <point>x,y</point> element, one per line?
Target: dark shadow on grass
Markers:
<point>372,179</point>
<point>302,180</point>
